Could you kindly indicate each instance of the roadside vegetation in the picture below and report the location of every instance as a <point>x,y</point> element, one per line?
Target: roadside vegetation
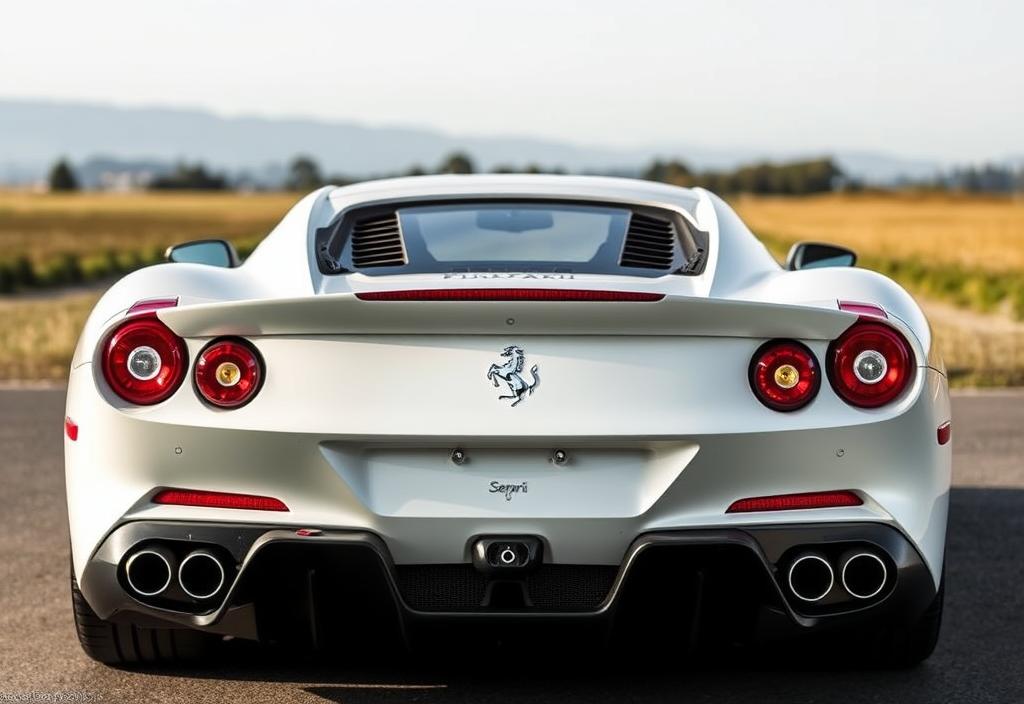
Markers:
<point>964,250</point>
<point>57,239</point>
<point>962,255</point>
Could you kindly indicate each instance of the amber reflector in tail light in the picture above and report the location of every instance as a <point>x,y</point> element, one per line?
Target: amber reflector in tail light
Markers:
<point>796,502</point>
<point>218,499</point>
<point>870,364</point>
<point>228,373</point>
<point>143,361</point>
<point>784,375</point>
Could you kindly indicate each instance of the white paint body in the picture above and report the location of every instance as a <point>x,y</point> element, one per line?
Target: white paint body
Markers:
<point>363,401</point>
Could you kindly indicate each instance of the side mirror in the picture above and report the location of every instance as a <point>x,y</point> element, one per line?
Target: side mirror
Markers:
<point>815,255</point>
<point>210,252</point>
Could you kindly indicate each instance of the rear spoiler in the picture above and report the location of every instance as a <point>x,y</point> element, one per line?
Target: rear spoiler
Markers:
<point>346,314</point>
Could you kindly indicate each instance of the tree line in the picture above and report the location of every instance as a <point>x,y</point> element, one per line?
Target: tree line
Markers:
<point>801,177</point>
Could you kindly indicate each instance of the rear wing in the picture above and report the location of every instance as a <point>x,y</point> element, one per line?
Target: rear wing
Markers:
<point>347,314</point>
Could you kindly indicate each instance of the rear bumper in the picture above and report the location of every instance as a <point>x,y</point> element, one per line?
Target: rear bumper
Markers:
<point>344,586</point>
<point>407,491</point>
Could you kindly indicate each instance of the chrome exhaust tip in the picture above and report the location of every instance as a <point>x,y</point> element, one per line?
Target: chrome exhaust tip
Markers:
<point>864,575</point>
<point>810,577</point>
<point>201,575</point>
<point>148,572</point>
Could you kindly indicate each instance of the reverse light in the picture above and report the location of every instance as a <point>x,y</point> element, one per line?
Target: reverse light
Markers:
<point>228,373</point>
<point>796,502</point>
<point>143,361</point>
<point>784,375</point>
<point>218,499</point>
<point>870,364</point>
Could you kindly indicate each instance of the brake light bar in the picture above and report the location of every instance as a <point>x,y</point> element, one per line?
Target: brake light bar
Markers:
<point>510,294</point>
<point>217,499</point>
<point>796,502</point>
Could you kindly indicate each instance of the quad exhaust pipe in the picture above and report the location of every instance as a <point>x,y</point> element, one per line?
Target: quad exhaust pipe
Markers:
<point>148,571</point>
<point>863,575</point>
<point>811,577</point>
<point>151,571</point>
<point>201,575</point>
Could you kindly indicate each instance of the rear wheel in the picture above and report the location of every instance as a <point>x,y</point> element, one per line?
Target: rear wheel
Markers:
<point>908,646</point>
<point>127,644</point>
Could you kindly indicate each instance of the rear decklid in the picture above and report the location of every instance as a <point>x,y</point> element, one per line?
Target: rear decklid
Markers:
<point>503,307</point>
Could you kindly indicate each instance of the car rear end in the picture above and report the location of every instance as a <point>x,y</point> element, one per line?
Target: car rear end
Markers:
<point>404,454</point>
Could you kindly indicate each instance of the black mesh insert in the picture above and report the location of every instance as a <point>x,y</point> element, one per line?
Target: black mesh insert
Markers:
<point>441,587</point>
<point>570,587</point>
<point>463,588</point>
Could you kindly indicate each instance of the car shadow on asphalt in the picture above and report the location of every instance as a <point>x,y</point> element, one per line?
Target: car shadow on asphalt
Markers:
<point>978,657</point>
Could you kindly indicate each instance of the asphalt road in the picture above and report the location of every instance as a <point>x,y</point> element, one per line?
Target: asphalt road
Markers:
<point>980,657</point>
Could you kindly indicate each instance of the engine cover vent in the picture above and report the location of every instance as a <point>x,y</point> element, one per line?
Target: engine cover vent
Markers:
<point>377,241</point>
<point>650,243</point>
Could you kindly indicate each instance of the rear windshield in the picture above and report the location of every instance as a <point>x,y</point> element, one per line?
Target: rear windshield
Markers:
<point>510,237</point>
<point>474,235</point>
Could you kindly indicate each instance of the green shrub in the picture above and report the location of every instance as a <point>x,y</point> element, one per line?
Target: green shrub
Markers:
<point>23,272</point>
<point>151,255</point>
<point>96,266</point>
<point>128,260</point>
<point>59,271</point>
<point>6,278</point>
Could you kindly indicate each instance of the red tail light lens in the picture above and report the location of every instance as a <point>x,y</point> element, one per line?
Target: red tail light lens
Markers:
<point>870,364</point>
<point>784,375</point>
<point>143,361</point>
<point>217,499</point>
<point>796,502</point>
<point>228,373</point>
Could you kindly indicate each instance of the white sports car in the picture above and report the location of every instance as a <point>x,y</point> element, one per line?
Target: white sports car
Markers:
<point>478,406</point>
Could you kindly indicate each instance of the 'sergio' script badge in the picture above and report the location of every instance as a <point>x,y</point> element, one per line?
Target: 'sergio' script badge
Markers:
<point>508,490</point>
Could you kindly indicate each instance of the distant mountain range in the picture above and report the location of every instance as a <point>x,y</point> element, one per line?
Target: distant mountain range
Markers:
<point>35,133</point>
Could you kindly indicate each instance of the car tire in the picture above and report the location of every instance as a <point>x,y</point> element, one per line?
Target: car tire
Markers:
<point>126,644</point>
<point>906,647</point>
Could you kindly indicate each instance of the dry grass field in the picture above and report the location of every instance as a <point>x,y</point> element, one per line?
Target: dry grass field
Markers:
<point>968,251</point>
<point>963,256</point>
<point>970,232</point>
<point>41,226</point>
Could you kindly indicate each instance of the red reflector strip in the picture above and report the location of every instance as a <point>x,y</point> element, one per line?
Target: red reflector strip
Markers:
<point>70,428</point>
<point>216,499</point>
<point>796,502</point>
<point>945,432</point>
<point>151,304</point>
<point>862,309</point>
<point>509,294</point>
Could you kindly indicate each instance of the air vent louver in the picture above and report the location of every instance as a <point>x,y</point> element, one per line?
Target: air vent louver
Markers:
<point>377,241</point>
<point>650,243</point>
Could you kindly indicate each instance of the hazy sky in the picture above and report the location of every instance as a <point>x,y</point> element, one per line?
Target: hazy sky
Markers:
<point>936,79</point>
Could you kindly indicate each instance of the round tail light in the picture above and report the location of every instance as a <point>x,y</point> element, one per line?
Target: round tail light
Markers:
<point>870,364</point>
<point>228,373</point>
<point>784,375</point>
<point>143,361</point>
